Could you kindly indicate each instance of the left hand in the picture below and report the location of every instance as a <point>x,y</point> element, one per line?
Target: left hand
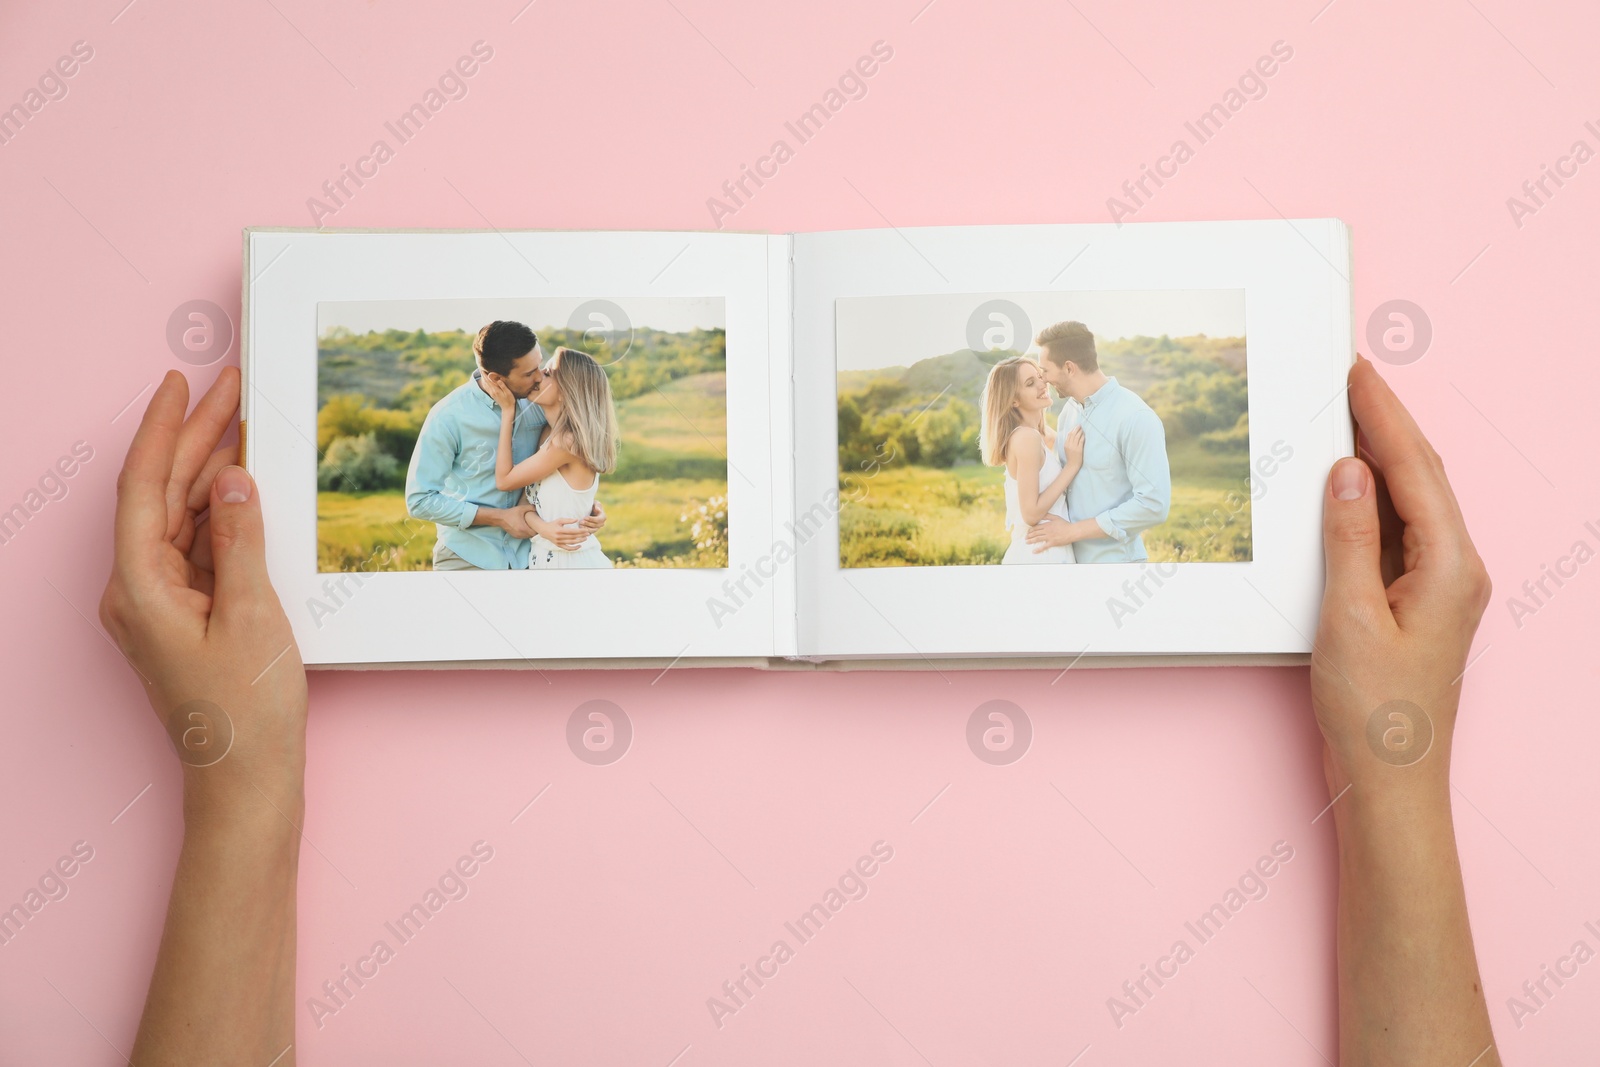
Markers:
<point>500,392</point>
<point>563,532</point>
<point>1050,532</point>
<point>192,608</point>
<point>595,519</point>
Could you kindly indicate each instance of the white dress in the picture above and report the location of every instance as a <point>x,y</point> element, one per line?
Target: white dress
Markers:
<point>1019,550</point>
<point>554,499</point>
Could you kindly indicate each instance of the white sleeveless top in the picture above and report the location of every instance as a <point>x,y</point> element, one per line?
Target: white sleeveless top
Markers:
<point>1019,551</point>
<point>554,499</point>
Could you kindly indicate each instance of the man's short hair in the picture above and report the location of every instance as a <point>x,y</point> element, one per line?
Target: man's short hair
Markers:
<point>502,343</point>
<point>1069,341</point>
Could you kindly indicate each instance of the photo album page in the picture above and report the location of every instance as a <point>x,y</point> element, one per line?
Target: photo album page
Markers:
<point>522,448</point>
<point>1068,441</point>
<point>925,448</point>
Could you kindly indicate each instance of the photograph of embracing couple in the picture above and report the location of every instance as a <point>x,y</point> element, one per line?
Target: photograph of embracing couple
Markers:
<point>455,437</point>
<point>554,428</point>
<point>1118,432</point>
<point>1105,461</point>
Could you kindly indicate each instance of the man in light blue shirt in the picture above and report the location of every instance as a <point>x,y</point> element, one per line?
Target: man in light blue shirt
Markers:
<point>451,479</point>
<point>1125,486</point>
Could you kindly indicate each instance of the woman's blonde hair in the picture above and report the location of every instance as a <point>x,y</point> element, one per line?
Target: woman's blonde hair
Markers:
<point>588,418</point>
<point>1000,413</point>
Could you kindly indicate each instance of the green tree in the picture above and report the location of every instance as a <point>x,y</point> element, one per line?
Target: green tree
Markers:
<point>941,434</point>
<point>342,416</point>
<point>854,447</point>
<point>348,415</point>
<point>849,418</point>
<point>1199,401</point>
<point>1235,439</point>
<point>358,465</point>
<point>894,432</point>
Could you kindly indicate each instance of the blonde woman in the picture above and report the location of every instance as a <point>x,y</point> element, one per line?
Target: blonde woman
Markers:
<point>1016,436</point>
<point>578,444</point>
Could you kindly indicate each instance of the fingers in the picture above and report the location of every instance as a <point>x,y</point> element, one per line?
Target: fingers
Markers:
<point>1352,539</point>
<point>238,548</point>
<point>201,565</point>
<point>1411,469</point>
<point>569,534</point>
<point>1390,527</point>
<point>141,519</point>
<point>200,488</point>
<point>186,539</point>
<point>197,440</point>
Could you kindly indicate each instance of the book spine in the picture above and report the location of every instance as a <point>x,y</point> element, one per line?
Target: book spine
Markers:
<point>780,389</point>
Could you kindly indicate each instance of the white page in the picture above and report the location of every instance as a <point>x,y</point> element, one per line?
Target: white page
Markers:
<point>664,614</point>
<point>1295,277</point>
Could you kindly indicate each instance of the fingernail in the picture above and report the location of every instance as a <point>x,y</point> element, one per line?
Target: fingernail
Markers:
<point>233,485</point>
<point>1349,479</point>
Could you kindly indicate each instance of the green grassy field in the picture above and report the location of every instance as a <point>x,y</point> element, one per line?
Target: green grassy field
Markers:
<point>670,459</point>
<point>677,431</point>
<point>371,532</point>
<point>919,516</point>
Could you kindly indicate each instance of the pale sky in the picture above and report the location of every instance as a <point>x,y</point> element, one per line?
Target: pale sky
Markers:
<point>896,331</point>
<point>670,314</point>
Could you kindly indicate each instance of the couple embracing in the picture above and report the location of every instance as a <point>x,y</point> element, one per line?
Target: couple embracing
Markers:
<point>1086,491</point>
<point>508,464</point>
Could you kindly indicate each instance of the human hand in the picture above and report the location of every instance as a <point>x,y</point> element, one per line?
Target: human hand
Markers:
<point>1051,531</point>
<point>191,606</point>
<point>501,393</point>
<point>564,533</point>
<point>1074,446</point>
<point>595,519</point>
<point>1405,592</point>
<point>518,521</point>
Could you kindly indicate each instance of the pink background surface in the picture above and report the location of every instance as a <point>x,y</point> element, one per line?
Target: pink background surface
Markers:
<point>1023,897</point>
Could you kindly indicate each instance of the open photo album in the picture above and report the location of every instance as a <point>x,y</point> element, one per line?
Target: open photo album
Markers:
<point>935,448</point>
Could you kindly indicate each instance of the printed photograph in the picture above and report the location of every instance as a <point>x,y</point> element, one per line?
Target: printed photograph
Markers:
<point>1043,428</point>
<point>522,434</point>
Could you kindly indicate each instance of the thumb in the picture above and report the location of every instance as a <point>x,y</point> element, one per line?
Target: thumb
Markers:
<point>238,547</point>
<point>1351,538</point>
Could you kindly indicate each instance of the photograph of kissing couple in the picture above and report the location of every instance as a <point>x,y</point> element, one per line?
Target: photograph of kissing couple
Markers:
<point>593,444</point>
<point>1117,432</point>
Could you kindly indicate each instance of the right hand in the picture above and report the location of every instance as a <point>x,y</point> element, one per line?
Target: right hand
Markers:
<point>517,521</point>
<point>1074,446</point>
<point>1405,592</point>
